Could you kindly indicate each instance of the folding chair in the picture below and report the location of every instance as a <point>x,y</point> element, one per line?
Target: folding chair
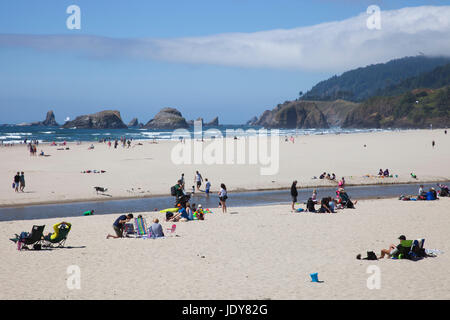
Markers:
<point>35,237</point>
<point>140,226</point>
<point>172,230</point>
<point>60,239</point>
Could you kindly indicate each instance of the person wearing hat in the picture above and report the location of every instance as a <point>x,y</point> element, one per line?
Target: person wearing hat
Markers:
<point>392,249</point>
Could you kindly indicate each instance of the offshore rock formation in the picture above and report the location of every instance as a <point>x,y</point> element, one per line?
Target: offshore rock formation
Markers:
<point>167,118</point>
<point>109,119</point>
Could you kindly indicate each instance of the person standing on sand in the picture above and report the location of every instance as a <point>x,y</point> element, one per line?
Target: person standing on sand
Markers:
<point>198,180</point>
<point>223,197</point>
<point>433,144</point>
<point>294,194</point>
<point>22,181</point>
<point>207,187</point>
<point>16,182</point>
<point>182,180</point>
<point>118,226</point>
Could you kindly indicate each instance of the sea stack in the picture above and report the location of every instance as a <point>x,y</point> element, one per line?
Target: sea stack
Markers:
<point>50,120</point>
<point>167,118</point>
<point>109,119</point>
<point>213,123</point>
<point>135,123</point>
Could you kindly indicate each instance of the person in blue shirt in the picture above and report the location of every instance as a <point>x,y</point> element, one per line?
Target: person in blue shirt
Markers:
<point>156,229</point>
<point>207,187</point>
<point>118,226</point>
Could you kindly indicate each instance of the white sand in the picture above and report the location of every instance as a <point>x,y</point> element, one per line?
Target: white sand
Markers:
<point>148,169</point>
<point>250,253</point>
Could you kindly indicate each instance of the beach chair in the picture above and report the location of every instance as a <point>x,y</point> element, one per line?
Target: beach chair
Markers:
<point>172,230</point>
<point>411,249</point>
<point>140,226</point>
<point>128,230</point>
<point>35,237</point>
<point>60,240</point>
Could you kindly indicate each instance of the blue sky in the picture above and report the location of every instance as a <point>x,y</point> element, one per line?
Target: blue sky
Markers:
<point>235,86</point>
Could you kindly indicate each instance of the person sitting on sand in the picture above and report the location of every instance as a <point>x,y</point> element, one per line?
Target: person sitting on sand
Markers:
<point>333,176</point>
<point>189,211</point>
<point>331,204</point>
<point>345,199</point>
<point>322,176</point>
<point>156,229</point>
<point>392,249</point>
<point>380,173</point>
<point>182,215</point>
<point>386,173</point>
<point>324,206</point>
<point>342,182</point>
<point>119,224</point>
<point>444,192</point>
<point>310,205</point>
<point>200,213</point>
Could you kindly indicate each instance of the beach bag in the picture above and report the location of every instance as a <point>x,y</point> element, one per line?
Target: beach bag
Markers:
<point>14,185</point>
<point>173,191</point>
<point>371,255</point>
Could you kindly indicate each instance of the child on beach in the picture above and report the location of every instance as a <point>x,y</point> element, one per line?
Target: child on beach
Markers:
<point>314,196</point>
<point>223,197</point>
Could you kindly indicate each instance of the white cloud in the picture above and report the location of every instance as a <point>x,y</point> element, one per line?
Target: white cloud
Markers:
<point>332,46</point>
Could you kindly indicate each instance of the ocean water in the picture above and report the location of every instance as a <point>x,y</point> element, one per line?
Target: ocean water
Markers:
<point>18,134</point>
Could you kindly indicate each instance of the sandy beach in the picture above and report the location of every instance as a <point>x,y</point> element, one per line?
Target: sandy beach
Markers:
<point>250,253</point>
<point>147,170</point>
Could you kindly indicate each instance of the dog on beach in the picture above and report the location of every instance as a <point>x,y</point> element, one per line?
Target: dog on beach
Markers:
<point>100,189</point>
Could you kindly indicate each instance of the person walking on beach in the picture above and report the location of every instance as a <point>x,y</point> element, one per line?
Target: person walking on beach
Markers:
<point>223,197</point>
<point>207,187</point>
<point>433,144</point>
<point>16,182</point>
<point>294,194</point>
<point>198,180</point>
<point>22,181</point>
<point>119,224</point>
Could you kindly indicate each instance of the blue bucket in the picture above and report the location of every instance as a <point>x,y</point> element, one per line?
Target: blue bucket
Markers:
<point>314,277</point>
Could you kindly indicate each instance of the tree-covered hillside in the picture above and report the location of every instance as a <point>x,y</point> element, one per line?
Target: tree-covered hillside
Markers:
<point>362,83</point>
